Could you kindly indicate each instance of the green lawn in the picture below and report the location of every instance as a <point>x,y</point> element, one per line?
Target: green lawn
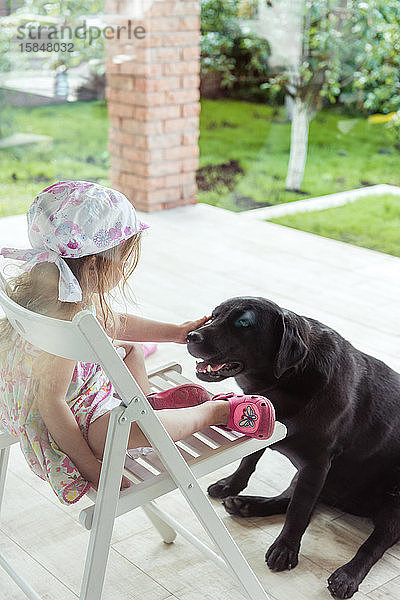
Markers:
<point>344,153</point>
<point>372,222</point>
<point>78,151</point>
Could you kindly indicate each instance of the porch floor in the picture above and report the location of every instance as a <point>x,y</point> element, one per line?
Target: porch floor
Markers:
<point>193,258</point>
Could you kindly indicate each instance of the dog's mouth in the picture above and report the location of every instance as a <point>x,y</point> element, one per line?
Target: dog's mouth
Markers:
<point>207,371</point>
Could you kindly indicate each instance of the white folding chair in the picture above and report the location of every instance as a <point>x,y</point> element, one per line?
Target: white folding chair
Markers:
<point>167,467</point>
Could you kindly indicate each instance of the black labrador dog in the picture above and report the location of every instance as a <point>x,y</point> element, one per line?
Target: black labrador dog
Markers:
<point>341,408</point>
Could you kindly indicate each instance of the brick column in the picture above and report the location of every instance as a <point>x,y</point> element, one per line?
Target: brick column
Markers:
<point>153,102</point>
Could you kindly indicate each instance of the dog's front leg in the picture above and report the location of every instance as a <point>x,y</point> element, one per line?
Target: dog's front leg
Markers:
<point>283,554</point>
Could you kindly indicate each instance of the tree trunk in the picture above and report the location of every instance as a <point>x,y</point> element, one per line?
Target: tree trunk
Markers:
<point>298,145</point>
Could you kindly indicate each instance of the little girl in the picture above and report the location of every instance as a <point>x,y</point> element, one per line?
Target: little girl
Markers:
<point>85,241</point>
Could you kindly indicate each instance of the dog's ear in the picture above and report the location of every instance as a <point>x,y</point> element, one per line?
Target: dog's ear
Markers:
<point>294,343</point>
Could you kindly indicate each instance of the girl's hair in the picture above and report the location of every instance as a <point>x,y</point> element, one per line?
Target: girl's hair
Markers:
<point>37,290</point>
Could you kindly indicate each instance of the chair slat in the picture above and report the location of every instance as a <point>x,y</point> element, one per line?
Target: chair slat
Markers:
<point>159,383</point>
<point>153,460</point>
<point>137,469</point>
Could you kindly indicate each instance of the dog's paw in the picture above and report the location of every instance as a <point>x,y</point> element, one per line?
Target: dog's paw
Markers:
<point>342,584</point>
<point>281,556</point>
<point>224,487</point>
<point>247,506</point>
<point>240,506</point>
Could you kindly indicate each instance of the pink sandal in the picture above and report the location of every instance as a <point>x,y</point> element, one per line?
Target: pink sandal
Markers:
<point>252,415</point>
<point>182,396</point>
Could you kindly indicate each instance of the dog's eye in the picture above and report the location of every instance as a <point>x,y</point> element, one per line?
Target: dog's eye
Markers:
<point>242,323</point>
<point>245,320</point>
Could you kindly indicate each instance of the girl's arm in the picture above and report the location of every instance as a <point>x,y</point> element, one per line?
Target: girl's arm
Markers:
<point>59,418</point>
<point>139,329</point>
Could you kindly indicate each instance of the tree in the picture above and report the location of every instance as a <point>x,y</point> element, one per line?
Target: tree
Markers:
<point>376,80</point>
<point>314,78</point>
<point>346,44</point>
<point>58,14</point>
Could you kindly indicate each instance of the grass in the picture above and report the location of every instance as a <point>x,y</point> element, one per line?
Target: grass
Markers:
<point>344,153</point>
<point>372,222</point>
<point>78,151</point>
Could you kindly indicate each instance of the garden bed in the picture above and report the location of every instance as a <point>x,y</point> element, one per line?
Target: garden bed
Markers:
<point>372,222</point>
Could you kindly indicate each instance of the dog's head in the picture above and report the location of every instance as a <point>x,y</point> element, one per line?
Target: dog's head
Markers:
<point>247,336</point>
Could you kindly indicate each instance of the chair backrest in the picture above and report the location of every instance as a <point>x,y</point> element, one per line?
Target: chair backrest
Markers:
<point>82,339</point>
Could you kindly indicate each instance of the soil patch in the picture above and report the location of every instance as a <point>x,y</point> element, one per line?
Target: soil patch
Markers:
<point>225,174</point>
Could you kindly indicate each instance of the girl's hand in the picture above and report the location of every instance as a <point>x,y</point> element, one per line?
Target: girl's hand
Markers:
<point>184,329</point>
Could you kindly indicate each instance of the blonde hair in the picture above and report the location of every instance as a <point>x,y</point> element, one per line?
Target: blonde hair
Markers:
<point>37,290</point>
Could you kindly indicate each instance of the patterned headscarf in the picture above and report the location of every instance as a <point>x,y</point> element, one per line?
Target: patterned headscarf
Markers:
<point>71,219</point>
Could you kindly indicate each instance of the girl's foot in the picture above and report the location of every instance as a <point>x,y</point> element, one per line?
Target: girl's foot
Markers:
<point>252,415</point>
<point>182,396</point>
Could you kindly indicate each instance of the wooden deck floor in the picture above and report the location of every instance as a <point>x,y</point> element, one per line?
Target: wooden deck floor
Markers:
<point>193,258</point>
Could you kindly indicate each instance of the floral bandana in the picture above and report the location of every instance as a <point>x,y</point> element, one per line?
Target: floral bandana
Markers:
<point>71,219</point>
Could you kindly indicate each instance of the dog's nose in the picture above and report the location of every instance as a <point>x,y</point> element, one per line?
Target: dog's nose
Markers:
<point>195,337</point>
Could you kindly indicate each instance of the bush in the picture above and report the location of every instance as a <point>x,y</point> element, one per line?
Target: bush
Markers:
<point>229,48</point>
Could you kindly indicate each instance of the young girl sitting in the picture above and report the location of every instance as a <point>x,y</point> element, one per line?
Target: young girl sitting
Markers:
<point>85,241</point>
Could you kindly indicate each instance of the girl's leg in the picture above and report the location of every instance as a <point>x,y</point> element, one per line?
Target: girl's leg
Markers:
<point>179,423</point>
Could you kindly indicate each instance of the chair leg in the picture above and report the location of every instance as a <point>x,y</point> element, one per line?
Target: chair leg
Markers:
<point>213,525</point>
<point>166,532</point>
<point>4,456</point>
<point>106,505</point>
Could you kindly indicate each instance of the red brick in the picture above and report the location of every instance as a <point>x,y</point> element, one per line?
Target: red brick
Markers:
<point>157,112</point>
<point>114,148</point>
<point>115,176</point>
<point>188,67</point>
<point>190,110</point>
<point>142,127</point>
<point>179,38</point>
<point>190,81</point>
<point>189,190</point>
<point>111,67</point>
<point>167,167</point>
<point>121,82</point>
<point>191,23</point>
<point>181,96</point>
<point>190,137</point>
<point>168,205</point>
<point>142,155</point>
<point>139,98</point>
<point>162,196</point>
<point>171,125</point>
<point>115,122</point>
<point>141,68</point>
<point>190,164</point>
<point>163,141</point>
<point>157,85</point>
<point>160,9</point>
<point>165,54</point>
<point>181,152</point>
<point>179,179</point>
<point>191,53</point>
<point>115,109</point>
<point>165,24</point>
<point>142,183</point>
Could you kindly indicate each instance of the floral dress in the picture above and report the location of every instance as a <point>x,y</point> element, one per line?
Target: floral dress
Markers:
<point>89,395</point>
